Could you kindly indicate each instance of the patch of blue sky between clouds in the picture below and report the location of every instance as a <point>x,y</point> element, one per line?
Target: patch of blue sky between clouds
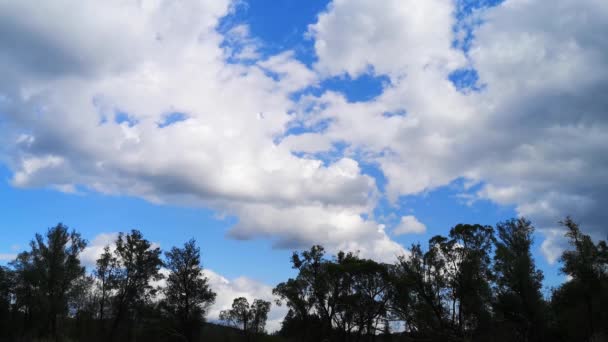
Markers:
<point>467,20</point>
<point>373,170</point>
<point>361,89</point>
<point>399,112</point>
<point>298,127</point>
<point>466,80</point>
<point>277,27</point>
<point>442,208</point>
<point>457,206</point>
<point>332,155</point>
<point>122,117</point>
<point>171,118</point>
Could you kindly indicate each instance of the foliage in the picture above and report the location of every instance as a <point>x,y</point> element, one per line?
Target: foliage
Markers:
<point>136,265</point>
<point>250,319</point>
<point>187,293</point>
<point>579,305</point>
<point>519,306</point>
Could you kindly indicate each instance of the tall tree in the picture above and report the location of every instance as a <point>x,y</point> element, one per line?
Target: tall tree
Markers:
<point>105,273</point>
<point>580,303</point>
<point>259,314</point>
<point>6,289</point>
<point>47,274</point>
<point>25,289</point>
<point>312,271</point>
<point>138,264</point>
<point>306,294</point>
<point>238,315</point>
<point>472,245</point>
<point>187,294</point>
<point>251,319</point>
<point>519,302</point>
<point>370,291</point>
<point>418,291</point>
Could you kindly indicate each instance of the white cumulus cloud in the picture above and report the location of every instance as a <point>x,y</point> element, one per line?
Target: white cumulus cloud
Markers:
<point>409,225</point>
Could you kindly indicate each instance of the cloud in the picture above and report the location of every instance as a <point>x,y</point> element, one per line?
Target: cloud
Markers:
<point>409,225</point>
<point>95,247</point>
<point>91,119</point>
<point>544,78</point>
<point>389,37</point>
<point>7,256</point>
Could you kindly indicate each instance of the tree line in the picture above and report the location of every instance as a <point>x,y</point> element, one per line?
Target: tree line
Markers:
<point>478,283</point>
<point>46,293</point>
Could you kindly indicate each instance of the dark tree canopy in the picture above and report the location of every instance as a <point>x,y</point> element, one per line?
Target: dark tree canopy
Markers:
<point>581,303</point>
<point>137,265</point>
<point>45,276</point>
<point>250,319</point>
<point>187,293</point>
<point>519,304</point>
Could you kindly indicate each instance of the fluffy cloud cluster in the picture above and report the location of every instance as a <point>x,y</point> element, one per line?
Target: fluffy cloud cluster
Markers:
<point>144,98</point>
<point>147,98</point>
<point>228,290</point>
<point>95,248</point>
<point>409,225</point>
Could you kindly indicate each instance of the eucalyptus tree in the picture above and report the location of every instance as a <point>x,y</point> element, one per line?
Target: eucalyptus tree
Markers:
<point>519,305</point>
<point>472,245</point>
<point>371,293</point>
<point>45,276</point>
<point>250,319</point>
<point>307,295</point>
<point>259,310</point>
<point>6,293</point>
<point>187,294</point>
<point>419,287</point>
<point>580,304</point>
<point>137,265</point>
<point>105,273</point>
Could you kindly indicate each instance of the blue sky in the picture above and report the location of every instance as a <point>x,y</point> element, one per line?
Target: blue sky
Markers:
<point>259,129</point>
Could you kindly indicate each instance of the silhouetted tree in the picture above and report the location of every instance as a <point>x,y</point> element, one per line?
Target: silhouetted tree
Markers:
<point>259,314</point>
<point>6,289</point>
<point>519,305</point>
<point>250,319</point>
<point>45,276</point>
<point>138,264</point>
<point>369,294</point>
<point>187,293</point>
<point>106,275</point>
<point>306,294</point>
<point>418,291</point>
<point>239,315</point>
<point>472,245</point>
<point>580,303</point>
<point>449,292</point>
<point>335,298</point>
